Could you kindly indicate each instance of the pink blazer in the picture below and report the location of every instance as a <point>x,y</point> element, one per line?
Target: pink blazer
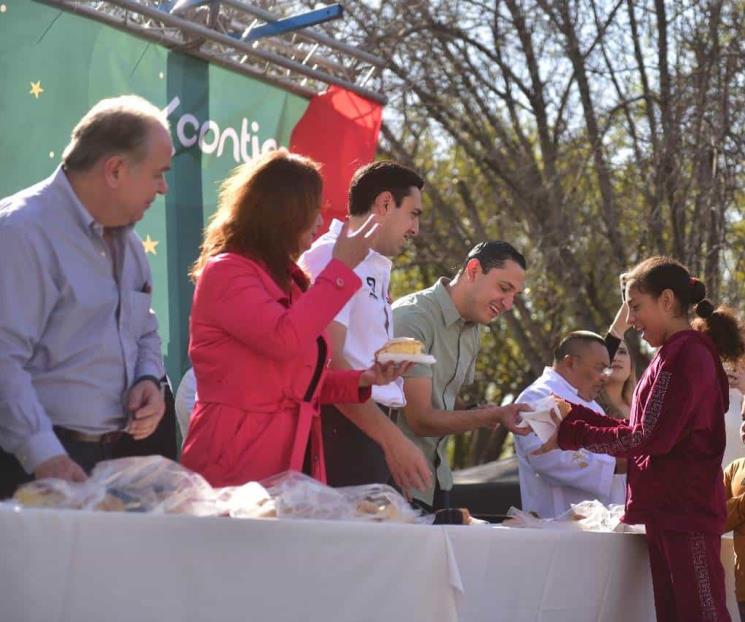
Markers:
<point>261,363</point>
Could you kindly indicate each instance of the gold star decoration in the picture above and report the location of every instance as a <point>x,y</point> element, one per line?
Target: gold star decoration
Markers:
<point>36,89</point>
<point>149,245</point>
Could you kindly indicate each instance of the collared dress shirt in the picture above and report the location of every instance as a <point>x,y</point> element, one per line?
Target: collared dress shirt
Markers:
<point>431,317</point>
<point>76,327</point>
<point>551,482</point>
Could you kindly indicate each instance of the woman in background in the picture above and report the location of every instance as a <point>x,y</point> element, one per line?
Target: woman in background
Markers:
<point>615,398</point>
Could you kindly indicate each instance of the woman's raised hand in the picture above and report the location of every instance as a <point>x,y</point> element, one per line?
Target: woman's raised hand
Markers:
<point>353,246</point>
<point>620,323</point>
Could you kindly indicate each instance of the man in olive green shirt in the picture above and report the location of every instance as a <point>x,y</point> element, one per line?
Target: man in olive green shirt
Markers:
<point>447,319</point>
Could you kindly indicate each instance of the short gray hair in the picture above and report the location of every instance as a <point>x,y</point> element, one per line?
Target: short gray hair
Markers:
<point>114,125</point>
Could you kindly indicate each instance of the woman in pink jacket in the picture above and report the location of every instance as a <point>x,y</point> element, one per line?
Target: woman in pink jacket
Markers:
<point>257,328</point>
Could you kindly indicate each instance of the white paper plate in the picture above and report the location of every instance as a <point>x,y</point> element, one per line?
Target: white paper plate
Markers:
<point>424,359</point>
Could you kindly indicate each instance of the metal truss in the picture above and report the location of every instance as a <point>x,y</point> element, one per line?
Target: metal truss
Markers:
<point>273,45</point>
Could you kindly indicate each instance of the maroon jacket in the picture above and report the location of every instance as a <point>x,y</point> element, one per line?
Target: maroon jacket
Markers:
<point>674,439</point>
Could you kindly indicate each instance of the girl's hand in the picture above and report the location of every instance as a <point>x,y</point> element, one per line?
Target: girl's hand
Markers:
<point>553,442</point>
<point>564,407</point>
<point>620,323</point>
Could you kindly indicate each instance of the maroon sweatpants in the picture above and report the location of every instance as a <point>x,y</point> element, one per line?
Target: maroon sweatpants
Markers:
<point>687,576</point>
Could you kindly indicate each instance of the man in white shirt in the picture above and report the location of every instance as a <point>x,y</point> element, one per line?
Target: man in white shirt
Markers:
<point>551,482</point>
<point>362,443</point>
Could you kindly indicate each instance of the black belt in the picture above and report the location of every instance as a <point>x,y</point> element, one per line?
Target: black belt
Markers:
<point>389,411</point>
<point>108,438</point>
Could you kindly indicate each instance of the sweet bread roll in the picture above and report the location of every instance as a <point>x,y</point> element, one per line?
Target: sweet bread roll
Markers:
<point>380,510</point>
<point>39,494</point>
<point>402,345</point>
<point>110,503</point>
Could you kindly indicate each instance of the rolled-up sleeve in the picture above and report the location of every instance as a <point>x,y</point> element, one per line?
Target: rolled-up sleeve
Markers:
<point>410,321</point>
<point>28,295</point>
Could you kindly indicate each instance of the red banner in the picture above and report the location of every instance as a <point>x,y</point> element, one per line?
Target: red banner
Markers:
<point>340,130</point>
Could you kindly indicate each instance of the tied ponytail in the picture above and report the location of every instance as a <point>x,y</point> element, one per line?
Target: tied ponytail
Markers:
<point>723,328</point>
<point>704,307</point>
<point>720,324</point>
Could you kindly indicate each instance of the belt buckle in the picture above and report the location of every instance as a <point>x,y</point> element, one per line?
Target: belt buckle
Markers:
<point>110,438</point>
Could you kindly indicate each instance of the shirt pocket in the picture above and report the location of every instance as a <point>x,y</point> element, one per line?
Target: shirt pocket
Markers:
<point>139,313</point>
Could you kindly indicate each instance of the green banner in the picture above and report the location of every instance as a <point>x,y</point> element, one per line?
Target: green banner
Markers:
<point>54,65</point>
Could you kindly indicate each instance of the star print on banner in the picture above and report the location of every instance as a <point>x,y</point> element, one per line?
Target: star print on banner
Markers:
<point>149,245</point>
<point>36,89</point>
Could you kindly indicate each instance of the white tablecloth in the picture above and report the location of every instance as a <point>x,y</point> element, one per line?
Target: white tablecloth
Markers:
<point>541,575</point>
<point>516,575</point>
<point>72,566</point>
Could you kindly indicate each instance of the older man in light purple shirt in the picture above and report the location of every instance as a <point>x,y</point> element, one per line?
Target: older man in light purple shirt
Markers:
<point>80,355</point>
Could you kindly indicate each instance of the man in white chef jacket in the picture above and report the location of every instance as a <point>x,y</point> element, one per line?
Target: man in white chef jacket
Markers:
<point>551,482</point>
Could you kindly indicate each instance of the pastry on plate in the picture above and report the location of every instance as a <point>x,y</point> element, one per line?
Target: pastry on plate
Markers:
<point>404,350</point>
<point>402,345</point>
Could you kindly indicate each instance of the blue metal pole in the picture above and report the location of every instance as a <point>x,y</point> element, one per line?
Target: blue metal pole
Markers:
<point>294,22</point>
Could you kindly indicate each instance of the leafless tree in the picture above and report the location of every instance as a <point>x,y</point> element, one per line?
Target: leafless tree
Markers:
<point>592,133</point>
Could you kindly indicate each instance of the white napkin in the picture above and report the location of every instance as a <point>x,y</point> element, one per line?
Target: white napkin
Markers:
<point>539,419</point>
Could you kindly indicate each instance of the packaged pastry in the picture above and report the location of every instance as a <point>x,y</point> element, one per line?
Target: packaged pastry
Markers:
<point>298,496</point>
<point>46,493</point>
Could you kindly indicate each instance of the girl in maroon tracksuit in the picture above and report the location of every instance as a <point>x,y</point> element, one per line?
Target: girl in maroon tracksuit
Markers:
<point>674,439</point>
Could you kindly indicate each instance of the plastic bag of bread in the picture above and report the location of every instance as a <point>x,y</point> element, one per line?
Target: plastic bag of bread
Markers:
<point>152,484</point>
<point>248,501</point>
<point>55,493</point>
<point>298,496</point>
<point>139,484</point>
<point>585,516</point>
<point>156,484</point>
<point>379,502</point>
